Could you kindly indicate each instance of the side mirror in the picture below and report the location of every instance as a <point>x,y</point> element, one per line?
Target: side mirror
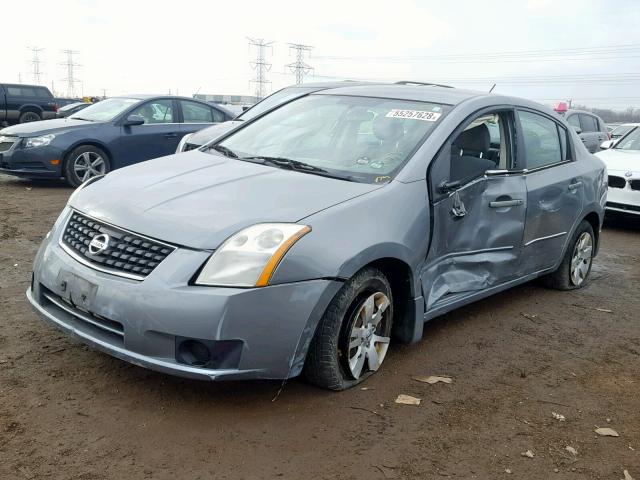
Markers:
<point>577,129</point>
<point>245,108</point>
<point>133,120</point>
<point>607,144</point>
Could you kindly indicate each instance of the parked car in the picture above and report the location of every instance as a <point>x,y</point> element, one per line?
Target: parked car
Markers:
<point>25,103</point>
<point>107,135</point>
<point>197,139</point>
<point>621,130</point>
<point>70,109</point>
<point>313,236</point>
<point>63,102</point>
<point>622,159</point>
<point>590,127</point>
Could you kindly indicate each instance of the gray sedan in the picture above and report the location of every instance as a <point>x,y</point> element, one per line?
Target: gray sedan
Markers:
<point>313,236</point>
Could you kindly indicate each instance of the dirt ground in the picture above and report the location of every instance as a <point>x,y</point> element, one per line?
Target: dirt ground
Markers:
<point>68,412</point>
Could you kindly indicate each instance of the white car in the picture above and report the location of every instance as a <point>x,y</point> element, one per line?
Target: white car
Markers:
<point>622,158</point>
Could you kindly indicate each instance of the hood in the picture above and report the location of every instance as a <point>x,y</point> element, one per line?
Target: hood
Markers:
<point>198,199</point>
<point>211,133</point>
<point>620,160</point>
<point>45,127</point>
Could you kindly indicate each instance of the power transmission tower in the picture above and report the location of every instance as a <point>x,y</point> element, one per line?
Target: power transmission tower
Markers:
<point>260,66</point>
<point>70,79</point>
<point>299,67</point>
<point>35,61</point>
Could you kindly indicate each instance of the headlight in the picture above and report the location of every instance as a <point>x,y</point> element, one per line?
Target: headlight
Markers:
<point>249,258</point>
<point>40,141</point>
<point>183,142</point>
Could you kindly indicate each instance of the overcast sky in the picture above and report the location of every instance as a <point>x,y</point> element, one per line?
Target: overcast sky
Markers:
<point>187,46</point>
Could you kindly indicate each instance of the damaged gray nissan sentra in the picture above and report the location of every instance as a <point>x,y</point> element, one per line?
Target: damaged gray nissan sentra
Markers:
<point>309,238</point>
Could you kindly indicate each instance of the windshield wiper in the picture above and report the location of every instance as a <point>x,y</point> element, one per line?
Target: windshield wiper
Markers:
<point>227,152</point>
<point>80,118</point>
<point>298,166</point>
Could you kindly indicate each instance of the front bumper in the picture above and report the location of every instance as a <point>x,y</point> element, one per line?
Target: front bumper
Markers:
<point>627,198</point>
<point>32,162</point>
<point>140,321</point>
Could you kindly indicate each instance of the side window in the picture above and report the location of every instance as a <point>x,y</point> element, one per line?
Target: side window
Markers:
<point>43,93</point>
<point>574,121</point>
<point>541,140</point>
<point>194,112</point>
<point>481,146</point>
<point>589,123</point>
<point>158,111</point>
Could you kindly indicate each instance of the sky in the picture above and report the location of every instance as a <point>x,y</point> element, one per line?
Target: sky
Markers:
<point>547,50</point>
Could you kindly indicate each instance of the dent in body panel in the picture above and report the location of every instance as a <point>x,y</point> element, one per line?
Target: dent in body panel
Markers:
<point>480,249</point>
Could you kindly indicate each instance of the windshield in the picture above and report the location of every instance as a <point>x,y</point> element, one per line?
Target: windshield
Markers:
<point>622,130</point>
<point>364,139</point>
<point>278,98</point>
<point>106,110</point>
<point>630,142</point>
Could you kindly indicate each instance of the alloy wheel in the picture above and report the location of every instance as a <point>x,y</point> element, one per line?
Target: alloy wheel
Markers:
<point>88,165</point>
<point>581,259</point>
<point>368,338</point>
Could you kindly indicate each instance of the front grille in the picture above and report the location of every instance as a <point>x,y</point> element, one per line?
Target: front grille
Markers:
<point>623,206</point>
<point>617,182</point>
<point>127,254</point>
<point>635,184</point>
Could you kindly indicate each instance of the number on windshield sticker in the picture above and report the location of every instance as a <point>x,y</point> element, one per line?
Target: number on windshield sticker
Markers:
<point>414,115</point>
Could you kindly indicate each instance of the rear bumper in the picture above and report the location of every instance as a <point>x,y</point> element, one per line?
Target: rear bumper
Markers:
<point>142,322</point>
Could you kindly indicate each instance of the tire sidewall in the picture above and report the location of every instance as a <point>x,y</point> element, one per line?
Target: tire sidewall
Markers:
<point>582,228</point>
<point>23,115</point>
<point>68,171</point>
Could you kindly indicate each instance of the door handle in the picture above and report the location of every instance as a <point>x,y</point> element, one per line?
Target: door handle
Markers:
<point>574,186</point>
<point>506,203</point>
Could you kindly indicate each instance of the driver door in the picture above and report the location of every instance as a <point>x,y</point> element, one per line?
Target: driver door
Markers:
<point>478,206</point>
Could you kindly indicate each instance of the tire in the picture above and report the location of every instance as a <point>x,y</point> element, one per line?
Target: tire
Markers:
<point>27,117</point>
<point>84,162</point>
<point>566,277</point>
<point>343,333</point>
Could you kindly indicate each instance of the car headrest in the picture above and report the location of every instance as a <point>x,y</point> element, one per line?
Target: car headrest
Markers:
<point>388,129</point>
<point>476,138</point>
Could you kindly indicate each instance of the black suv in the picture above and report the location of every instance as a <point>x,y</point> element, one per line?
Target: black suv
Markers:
<point>25,103</point>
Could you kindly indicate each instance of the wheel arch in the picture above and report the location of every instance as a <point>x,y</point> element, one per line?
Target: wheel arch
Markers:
<point>31,107</point>
<point>83,143</point>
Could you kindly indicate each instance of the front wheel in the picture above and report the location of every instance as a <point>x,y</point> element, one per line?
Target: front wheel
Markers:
<point>85,162</point>
<point>353,336</point>
<point>575,268</point>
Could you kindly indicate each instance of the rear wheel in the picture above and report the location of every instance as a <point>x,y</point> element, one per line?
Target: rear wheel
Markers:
<point>576,265</point>
<point>27,117</point>
<point>85,162</point>
<point>353,336</point>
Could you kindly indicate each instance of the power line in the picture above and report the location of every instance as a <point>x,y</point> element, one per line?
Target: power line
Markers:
<point>299,67</point>
<point>70,78</point>
<point>35,62</point>
<point>260,65</point>
<point>582,53</point>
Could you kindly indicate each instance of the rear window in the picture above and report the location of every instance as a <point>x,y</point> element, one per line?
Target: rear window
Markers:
<point>43,93</point>
<point>589,123</point>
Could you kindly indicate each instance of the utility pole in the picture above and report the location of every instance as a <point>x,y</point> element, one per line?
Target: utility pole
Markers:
<point>104,93</point>
<point>260,66</point>
<point>70,79</point>
<point>299,67</point>
<point>19,77</point>
<point>35,61</point>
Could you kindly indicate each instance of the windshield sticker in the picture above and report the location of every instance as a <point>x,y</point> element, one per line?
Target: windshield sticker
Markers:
<point>414,115</point>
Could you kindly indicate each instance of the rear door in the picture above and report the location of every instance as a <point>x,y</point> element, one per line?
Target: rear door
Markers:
<point>591,133</point>
<point>479,202</point>
<point>554,189</point>
<point>196,116</point>
<point>157,137</point>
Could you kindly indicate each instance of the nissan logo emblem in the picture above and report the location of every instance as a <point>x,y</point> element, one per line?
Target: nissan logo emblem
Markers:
<point>99,244</point>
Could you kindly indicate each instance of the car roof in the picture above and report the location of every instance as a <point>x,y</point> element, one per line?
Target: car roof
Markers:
<point>415,92</point>
<point>145,96</point>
